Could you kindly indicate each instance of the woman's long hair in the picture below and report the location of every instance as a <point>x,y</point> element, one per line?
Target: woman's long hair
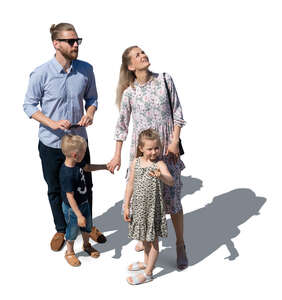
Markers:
<point>126,77</point>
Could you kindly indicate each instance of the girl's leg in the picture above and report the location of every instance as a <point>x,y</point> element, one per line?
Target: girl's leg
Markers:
<point>151,252</point>
<point>153,248</point>
<point>139,246</point>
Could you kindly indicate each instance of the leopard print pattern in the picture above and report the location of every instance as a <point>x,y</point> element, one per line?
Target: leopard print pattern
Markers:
<point>148,219</point>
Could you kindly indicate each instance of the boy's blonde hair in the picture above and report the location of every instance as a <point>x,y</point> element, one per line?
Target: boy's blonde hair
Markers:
<point>148,134</point>
<point>72,143</point>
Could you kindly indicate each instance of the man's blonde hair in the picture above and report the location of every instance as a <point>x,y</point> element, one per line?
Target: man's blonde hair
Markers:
<point>55,30</point>
<point>72,143</point>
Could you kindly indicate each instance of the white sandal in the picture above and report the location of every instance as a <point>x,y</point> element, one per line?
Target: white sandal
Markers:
<point>136,280</point>
<point>136,266</point>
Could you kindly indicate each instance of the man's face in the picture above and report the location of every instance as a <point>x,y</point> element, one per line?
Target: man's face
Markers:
<point>68,51</point>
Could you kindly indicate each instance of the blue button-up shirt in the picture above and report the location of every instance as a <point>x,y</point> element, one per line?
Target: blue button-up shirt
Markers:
<point>60,95</point>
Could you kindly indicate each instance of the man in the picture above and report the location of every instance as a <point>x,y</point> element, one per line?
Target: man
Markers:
<point>60,85</point>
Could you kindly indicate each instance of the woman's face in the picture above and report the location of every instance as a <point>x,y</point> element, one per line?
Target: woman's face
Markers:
<point>139,60</point>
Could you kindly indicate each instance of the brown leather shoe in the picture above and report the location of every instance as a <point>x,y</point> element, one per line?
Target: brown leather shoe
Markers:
<point>97,236</point>
<point>57,241</point>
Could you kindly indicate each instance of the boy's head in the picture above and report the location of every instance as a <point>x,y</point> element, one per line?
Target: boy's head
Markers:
<point>74,146</point>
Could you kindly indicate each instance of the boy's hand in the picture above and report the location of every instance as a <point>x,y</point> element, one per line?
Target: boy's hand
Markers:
<point>87,168</point>
<point>81,221</point>
<point>155,173</point>
<point>126,215</point>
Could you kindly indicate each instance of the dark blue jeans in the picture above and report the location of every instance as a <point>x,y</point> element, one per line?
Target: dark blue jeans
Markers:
<point>52,159</point>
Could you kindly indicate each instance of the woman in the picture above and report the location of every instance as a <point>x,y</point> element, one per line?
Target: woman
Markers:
<point>143,94</point>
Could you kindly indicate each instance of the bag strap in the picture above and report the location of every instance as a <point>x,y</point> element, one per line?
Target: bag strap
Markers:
<point>169,97</point>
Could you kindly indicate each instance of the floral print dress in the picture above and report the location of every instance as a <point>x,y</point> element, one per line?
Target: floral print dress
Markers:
<point>149,106</point>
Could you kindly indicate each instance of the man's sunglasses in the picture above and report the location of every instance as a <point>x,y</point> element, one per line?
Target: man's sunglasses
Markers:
<point>71,41</point>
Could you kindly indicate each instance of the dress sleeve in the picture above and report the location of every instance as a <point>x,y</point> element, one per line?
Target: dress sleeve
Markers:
<point>124,117</point>
<point>177,109</point>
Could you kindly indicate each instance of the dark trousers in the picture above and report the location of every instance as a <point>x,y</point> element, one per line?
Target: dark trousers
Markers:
<point>52,159</point>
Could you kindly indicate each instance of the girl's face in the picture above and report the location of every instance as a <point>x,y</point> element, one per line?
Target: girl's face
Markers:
<point>150,149</point>
<point>139,60</point>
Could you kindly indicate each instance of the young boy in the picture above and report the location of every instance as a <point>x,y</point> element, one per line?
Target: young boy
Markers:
<point>74,194</point>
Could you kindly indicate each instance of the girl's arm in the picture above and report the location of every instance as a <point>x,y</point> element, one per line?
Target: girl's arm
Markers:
<point>129,192</point>
<point>81,221</point>
<point>163,174</point>
<point>91,167</point>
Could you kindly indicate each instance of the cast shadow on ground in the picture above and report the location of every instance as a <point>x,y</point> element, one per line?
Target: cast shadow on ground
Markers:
<point>112,220</point>
<point>210,227</point>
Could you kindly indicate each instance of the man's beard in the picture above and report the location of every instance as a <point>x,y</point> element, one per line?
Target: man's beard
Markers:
<point>70,56</point>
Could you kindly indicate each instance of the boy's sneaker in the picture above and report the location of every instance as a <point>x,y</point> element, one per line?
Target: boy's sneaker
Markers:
<point>57,241</point>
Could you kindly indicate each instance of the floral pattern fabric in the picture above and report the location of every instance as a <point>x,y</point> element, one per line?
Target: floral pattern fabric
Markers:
<point>148,105</point>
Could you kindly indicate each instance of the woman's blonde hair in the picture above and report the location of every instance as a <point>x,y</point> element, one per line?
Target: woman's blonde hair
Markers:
<point>55,30</point>
<point>72,143</point>
<point>148,134</point>
<point>126,77</point>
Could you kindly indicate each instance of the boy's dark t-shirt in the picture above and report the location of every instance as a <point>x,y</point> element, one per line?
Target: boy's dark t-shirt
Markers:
<point>73,180</point>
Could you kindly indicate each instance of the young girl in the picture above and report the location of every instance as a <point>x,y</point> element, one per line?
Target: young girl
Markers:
<point>144,207</point>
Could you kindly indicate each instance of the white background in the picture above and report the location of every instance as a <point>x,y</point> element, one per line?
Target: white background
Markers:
<point>225,59</point>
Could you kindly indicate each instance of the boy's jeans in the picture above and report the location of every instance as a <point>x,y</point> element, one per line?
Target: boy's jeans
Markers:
<point>71,220</point>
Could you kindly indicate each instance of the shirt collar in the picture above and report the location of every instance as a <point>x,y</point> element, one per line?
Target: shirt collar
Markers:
<point>59,67</point>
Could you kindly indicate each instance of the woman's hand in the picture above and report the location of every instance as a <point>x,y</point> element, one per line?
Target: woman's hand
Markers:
<point>173,152</point>
<point>113,164</point>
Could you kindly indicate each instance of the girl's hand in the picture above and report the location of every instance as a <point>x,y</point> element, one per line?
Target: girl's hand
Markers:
<point>113,164</point>
<point>173,152</point>
<point>81,221</point>
<point>126,215</point>
<point>155,173</point>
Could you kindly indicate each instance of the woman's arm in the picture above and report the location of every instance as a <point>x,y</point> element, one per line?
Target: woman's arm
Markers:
<point>116,160</point>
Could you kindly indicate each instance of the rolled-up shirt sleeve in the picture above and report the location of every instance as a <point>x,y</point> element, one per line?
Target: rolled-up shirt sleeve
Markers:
<point>91,96</point>
<point>34,94</point>
<point>124,118</point>
<point>177,109</point>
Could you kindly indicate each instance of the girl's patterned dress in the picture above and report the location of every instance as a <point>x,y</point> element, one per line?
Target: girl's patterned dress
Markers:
<point>148,219</point>
<point>149,105</point>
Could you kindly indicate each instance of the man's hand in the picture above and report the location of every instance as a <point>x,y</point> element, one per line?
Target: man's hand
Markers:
<point>61,124</point>
<point>86,120</point>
